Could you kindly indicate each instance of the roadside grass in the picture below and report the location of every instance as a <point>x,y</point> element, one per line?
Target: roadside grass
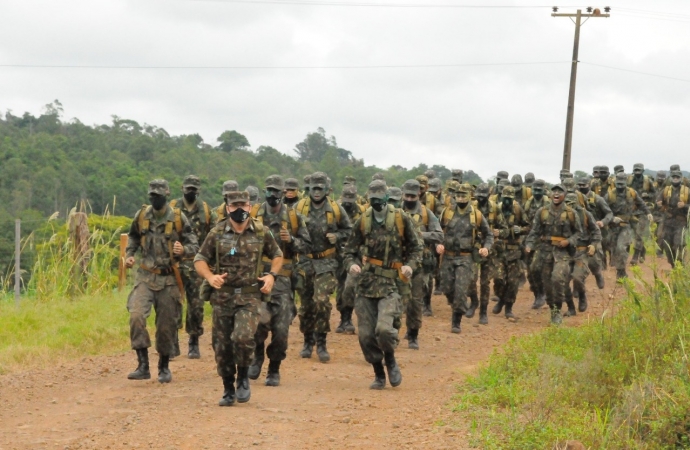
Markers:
<point>619,382</point>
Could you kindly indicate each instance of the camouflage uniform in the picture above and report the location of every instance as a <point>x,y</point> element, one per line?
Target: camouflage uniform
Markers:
<point>320,266</point>
<point>644,186</point>
<point>500,175</point>
<point>345,292</point>
<point>279,310</point>
<point>201,218</point>
<point>253,194</point>
<point>552,225</point>
<point>658,213</point>
<point>674,202</point>
<point>155,285</point>
<point>522,192</point>
<point>623,203</point>
<point>431,234</point>
<point>509,251</point>
<point>383,251</point>
<point>602,215</point>
<point>487,266</point>
<point>536,283</point>
<point>464,230</point>
<point>221,210</point>
<point>676,168</point>
<point>291,184</point>
<point>237,304</point>
<point>529,179</point>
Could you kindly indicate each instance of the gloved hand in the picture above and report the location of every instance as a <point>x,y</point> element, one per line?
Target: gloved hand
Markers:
<point>591,250</point>
<point>517,229</point>
<point>355,269</point>
<point>406,271</point>
<point>332,238</point>
<point>617,220</point>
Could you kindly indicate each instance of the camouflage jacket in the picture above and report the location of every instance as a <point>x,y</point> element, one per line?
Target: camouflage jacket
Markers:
<point>625,206</point>
<point>599,208</point>
<point>669,206</point>
<point>461,236</point>
<point>156,246</point>
<point>533,205</point>
<point>431,233</point>
<point>591,234</point>
<point>197,218</point>
<point>318,225</point>
<point>552,224</point>
<point>510,242</point>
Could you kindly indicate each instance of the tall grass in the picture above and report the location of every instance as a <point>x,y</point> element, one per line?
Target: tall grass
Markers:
<point>619,382</point>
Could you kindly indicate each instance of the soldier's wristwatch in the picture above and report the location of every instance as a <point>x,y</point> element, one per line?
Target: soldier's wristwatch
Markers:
<point>275,275</point>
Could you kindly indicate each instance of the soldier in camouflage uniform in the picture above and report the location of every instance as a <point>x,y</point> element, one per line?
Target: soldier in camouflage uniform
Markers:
<point>222,209</point>
<point>292,194</point>
<point>236,247</point>
<point>618,169</point>
<point>585,254</point>
<point>644,186</point>
<point>293,238</point>
<point>673,200</point>
<point>509,252</point>
<point>529,179</point>
<point>201,218</point>
<point>536,283</point>
<point>429,174</point>
<point>328,225</point>
<point>658,213</point>
<point>253,194</point>
<point>676,168</point>
<point>345,292</point>
<point>554,235</point>
<point>496,197</point>
<point>435,188</point>
<point>431,233</point>
<point>394,196</point>
<point>500,175</point>
<point>384,246</point>
<point>352,181</point>
<point>623,202</point>
<point>306,181</point>
<point>164,236</point>
<point>487,266</point>
<point>602,184</point>
<point>603,215</point>
<point>522,192</point>
<point>467,239</point>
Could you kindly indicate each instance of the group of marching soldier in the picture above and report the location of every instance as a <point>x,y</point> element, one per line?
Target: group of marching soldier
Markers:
<point>381,255</point>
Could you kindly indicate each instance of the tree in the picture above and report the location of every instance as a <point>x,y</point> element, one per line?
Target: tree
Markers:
<point>231,141</point>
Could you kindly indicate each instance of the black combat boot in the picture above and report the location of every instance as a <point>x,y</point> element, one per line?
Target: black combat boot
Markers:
<point>349,326</point>
<point>620,274</point>
<point>498,307</point>
<point>483,317</point>
<point>243,391</point>
<point>394,375</point>
<point>228,391</point>
<point>426,311</point>
<point>257,362</point>
<point>273,375</point>
<point>164,374</point>
<point>643,254</point>
<point>193,348</point>
<point>176,351</point>
<point>474,304</point>
<point>142,372</point>
<point>509,311</point>
<point>412,339</point>
<point>455,322</point>
<point>571,304</point>
<point>379,377</point>
<point>582,301</point>
<point>539,301</point>
<point>343,321</point>
<point>600,280</point>
<point>308,345</point>
<point>321,349</point>
<point>635,258</point>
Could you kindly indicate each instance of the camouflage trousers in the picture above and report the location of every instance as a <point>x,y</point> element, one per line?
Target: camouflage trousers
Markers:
<point>420,286</point>
<point>605,247</point>
<point>506,287</point>
<point>346,291</point>
<point>484,273</point>
<point>553,267</point>
<point>659,233</point>
<point>580,269</point>
<point>315,308</point>
<point>235,321</point>
<point>673,242</point>
<point>279,314</point>
<point>620,239</point>
<point>375,319</point>
<point>641,232</point>
<point>166,303</point>
<point>194,320</point>
<point>536,284</point>
<point>457,273</point>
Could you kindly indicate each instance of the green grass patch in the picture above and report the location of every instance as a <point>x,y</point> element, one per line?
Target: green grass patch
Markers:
<point>620,382</point>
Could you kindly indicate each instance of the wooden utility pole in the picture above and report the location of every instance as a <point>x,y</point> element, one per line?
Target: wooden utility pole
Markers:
<point>567,148</point>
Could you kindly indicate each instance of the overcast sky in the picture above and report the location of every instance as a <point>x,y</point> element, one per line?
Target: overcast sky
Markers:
<point>485,118</point>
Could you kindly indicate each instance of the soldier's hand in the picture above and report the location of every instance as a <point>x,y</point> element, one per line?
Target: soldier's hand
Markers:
<point>659,203</point>
<point>528,250</point>
<point>591,250</point>
<point>517,229</point>
<point>651,217</point>
<point>355,269</point>
<point>496,233</point>
<point>681,204</point>
<point>617,220</point>
<point>268,283</point>
<point>178,249</point>
<point>564,243</point>
<point>440,248</point>
<point>332,238</point>
<point>129,262</point>
<point>406,271</point>
<point>217,281</point>
<point>483,252</point>
<point>600,224</point>
<point>285,235</point>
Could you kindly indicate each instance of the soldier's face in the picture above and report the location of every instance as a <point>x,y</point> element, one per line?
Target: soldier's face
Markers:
<point>538,193</point>
<point>317,193</point>
<point>239,205</point>
<point>620,185</point>
<point>603,176</point>
<point>675,180</point>
<point>583,187</point>
<point>411,197</point>
<point>423,188</point>
<point>557,196</point>
<point>595,174</point>
<point>637,172</point>
<point>290,193</point>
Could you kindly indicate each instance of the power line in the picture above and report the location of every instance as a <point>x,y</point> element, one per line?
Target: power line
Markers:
<point>375,5</point>
<point>637,72</point>
<point>642,16</point>
<point>656,13</point>
<point>379,66</point>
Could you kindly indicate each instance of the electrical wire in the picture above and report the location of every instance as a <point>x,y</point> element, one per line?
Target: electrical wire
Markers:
<point>656,13</point>
<point>376,5</point>
<point>685,80</point>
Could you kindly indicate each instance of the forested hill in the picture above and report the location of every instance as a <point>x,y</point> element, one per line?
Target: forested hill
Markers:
<point>50,164</point>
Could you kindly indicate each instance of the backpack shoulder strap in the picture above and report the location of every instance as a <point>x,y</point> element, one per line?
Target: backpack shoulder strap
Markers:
<point>220,212</point>
<point>254,212</point>
<point>303,206</point>
<point>399,223</point>
<point>336,209</point>
<point>544,214</point>
<point>292,220</point>
<point>142,222</point>
<point>207,213</point>
<point>425,216</point>
<point>178,219</point>
<point>365,222</point>
<point>173,203</point>
<point>447,215</point>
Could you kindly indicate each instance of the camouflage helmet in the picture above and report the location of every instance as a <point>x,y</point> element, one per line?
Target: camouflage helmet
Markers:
<point>349,179</point>
<point>434,185</point>
<point>516,181</point>
<point>558,187</point>
<point>463,190</point>
<point>423,180</point>
<point>429,173</point>
<point>306,180</point>
<point>618,169</point>
<point>275,182</point>
<point>291,184</point>
<point>675,167</point>
<point>411,187</point>
<point>539,184</point>
<point>159,187</point>
<point>569,184</point>
<point>237,197</point>
<point>638,167</point>
<point>482,190</point>
<point>676,174</point>
<point>191,181</point>
<point>453,186</point>
<point>585,180</point>
<point>349,194</point>
<point>377,189</point>
<point>319,179</point>
<point>503,182</point>
<point>508,192</point>
<point>596,169</point>
<point>604,169</point>
<point>230,186</point>
<point>502,174</point>
<point>378,176</point>
<point>529,178</point>
<point>253,193</point>
<point>394,193</point>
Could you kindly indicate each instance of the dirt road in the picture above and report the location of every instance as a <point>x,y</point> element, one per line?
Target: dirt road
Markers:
<point>91,404</point>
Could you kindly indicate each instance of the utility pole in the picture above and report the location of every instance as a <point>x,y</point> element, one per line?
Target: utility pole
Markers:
<point>567,148</point>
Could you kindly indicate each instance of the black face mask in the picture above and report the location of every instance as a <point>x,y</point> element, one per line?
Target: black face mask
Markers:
<point>378,204</point>
<point>190,196</point>
<point>239,215</point>
<point>462,205</point>
<point>290,201</point>
<point>482,200</point>
<point>507,204</point>
<point>348,207</point>
<point>410,204</point>
<point>273,201</point>
<point>538,194</point>
<point>158,201</point>
<point>604,176</point>
<point>620,188</point>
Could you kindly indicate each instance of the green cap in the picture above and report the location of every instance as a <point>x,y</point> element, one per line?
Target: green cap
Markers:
<point>434,185</point>
<point>237,197</point>
<point>191,181</point>
<point>230,186</point>
<point>159,187</point>
<point>411,187</point>
<point>291,183</point>
<point>394,193</point>
<point>377,189</point>
<point>349,194</point>
<point>275,182</point>
<point>319,179</point>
